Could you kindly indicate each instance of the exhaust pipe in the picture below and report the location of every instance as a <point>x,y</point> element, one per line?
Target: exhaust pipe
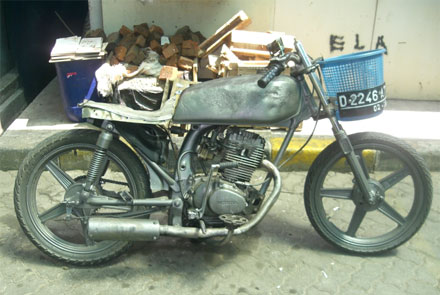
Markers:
<point>150,230</point>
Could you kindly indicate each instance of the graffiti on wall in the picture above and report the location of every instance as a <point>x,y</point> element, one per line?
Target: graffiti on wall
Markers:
<point>337,43</point>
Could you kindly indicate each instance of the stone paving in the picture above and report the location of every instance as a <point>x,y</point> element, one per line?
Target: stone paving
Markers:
<point>282,255</point>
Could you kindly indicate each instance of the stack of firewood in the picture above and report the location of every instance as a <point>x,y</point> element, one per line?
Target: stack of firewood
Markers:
<point>128,45</point>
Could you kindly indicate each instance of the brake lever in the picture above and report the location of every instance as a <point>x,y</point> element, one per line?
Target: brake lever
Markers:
<point>317,60</point>
<point>307,70</point>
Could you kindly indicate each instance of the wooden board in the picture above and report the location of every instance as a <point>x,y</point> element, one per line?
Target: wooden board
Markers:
<point>227,54</point>
<point>249,68</point>
<point>259,40</point>
<point>243,52</point>
<point>195,70</point>
<point>174,88</point>
<point>166,92</point>
<point>238,21</point>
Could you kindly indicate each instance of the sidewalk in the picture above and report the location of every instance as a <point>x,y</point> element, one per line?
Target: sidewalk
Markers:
<point>415,122</point>
<point>282,255</point>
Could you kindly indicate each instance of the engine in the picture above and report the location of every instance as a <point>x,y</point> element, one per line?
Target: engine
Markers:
<point>245,148</point>
<point>229,191</point>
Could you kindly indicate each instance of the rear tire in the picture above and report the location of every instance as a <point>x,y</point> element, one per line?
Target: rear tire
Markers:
<point>41,213</point>
<point>340,214</point>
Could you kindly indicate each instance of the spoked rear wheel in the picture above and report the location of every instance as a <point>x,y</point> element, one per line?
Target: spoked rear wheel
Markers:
<point>57,168</point>
<point>339,212</point>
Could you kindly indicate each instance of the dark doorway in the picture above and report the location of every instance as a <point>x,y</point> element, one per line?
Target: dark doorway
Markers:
<point>31,28</point>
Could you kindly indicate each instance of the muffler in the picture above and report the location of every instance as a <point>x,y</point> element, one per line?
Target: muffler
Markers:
<point>123,229</point>
<point>149,230</point>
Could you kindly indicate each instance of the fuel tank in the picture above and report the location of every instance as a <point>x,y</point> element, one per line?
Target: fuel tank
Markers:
<point>239,101</point>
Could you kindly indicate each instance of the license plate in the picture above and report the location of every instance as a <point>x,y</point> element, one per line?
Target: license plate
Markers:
<point>362,103</point>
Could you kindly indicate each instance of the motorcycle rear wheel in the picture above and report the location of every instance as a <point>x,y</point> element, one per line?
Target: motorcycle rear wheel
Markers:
<point>48,171</point>
<point>340,214</point>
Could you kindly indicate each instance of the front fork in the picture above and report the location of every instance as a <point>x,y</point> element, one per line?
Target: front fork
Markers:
<point>360,174</point>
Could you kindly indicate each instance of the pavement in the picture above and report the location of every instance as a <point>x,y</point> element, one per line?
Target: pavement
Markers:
<point>416,122</point>
<point>281,255</point>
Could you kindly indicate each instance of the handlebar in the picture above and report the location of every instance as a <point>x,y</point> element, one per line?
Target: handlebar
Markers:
<point>276,66</point>
<point>274,70</point>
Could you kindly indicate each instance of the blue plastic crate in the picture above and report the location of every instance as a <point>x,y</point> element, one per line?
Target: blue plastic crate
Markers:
<point>76,80</point>
<point>351,72</point>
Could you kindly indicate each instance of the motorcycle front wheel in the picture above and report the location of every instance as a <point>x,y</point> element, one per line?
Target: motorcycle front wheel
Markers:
<point>342,216</point>
<point>59,164</point>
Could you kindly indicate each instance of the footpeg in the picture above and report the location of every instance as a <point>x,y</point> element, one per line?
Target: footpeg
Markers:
<point>233,221</point>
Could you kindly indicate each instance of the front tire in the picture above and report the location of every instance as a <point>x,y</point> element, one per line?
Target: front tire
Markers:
<point>337,210</point>
<point>55,166</point>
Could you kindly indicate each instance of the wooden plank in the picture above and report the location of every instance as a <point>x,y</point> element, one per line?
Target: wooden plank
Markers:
<point>259,40</point>
<point>213,63</point>
<point>174,88</point>
<point>253,63</point>
<point>185,63</point>
<point>238,21</point>
<point>195,70</point>
<point>228,54</point>
<point>250,52</point>
<point>166,92</point>
<point>203,71</point>
<point>178,86</point>
<point>234,21</point>
<point>249,67</point>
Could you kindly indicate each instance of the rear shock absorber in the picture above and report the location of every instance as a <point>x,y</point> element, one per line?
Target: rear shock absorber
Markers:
<point>99,160</point>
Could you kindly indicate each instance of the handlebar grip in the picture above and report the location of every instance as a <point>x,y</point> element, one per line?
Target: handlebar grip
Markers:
<point>274,71</point>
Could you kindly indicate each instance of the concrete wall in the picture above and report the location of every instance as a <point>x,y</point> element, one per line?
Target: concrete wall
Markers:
<point>408,29</point>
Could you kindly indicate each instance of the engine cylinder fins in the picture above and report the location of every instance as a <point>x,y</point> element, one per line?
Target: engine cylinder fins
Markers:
<point>245,148</point>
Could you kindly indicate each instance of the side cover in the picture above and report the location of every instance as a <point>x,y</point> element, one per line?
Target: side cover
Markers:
<point>239,101</point>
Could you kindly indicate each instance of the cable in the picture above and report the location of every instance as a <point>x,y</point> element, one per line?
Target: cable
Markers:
<point>64,23</point>
<point>179,176</point>
<point>313,131</point>
<point>303,146</point>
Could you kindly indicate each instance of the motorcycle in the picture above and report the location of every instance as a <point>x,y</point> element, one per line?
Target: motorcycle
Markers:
<point>109,186</point>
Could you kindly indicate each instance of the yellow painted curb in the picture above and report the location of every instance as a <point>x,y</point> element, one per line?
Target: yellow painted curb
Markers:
<point>305,158</point>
